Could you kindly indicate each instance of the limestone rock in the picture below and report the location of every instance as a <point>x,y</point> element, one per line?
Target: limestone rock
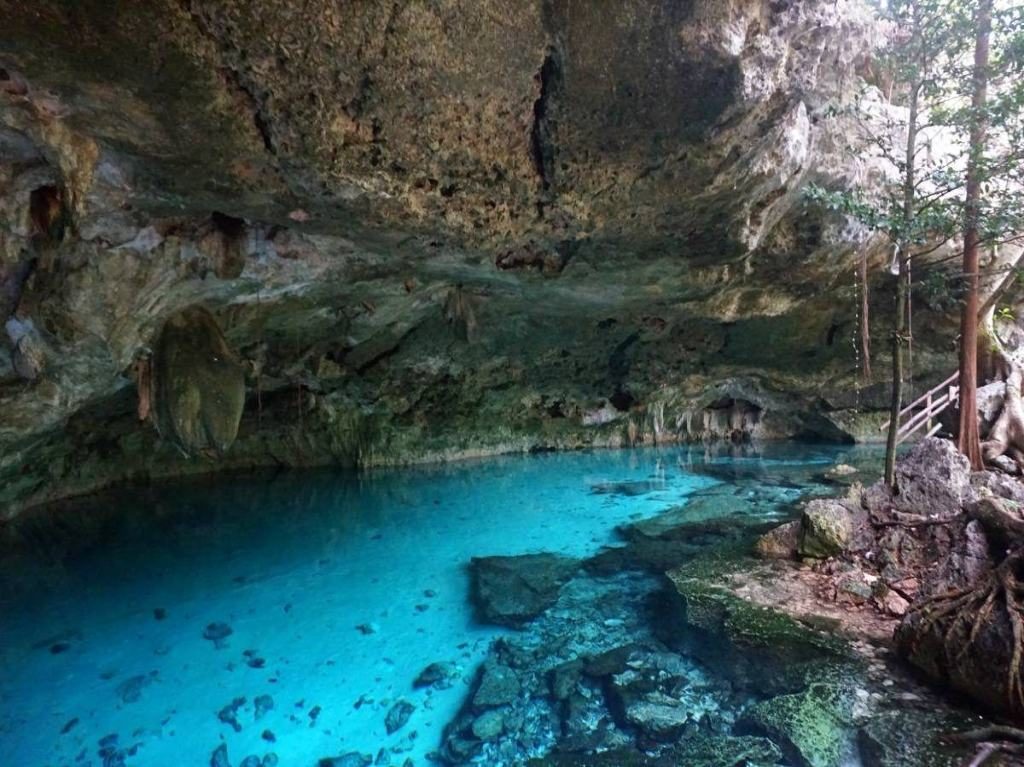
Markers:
<point>512,590</point>
<point>807,725</point>
<point>826,529</point>
<point>520,161</point>
<point>200,387</point>
<point>398,715</point>
<point>498,686</point>
<point>489,725</point>
<point>908,738</point>
<point>783,542</point>
<point>990,405</point>
<point>933,479</point>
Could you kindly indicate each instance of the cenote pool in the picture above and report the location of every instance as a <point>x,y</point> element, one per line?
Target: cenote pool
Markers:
<point>286,615</point>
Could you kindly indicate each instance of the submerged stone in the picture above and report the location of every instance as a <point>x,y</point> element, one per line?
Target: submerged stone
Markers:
<point>910,738</point>
<point>219,758</point>
<point>351,759</point>
<point>513,590</point>
<point>398,715</point>
<point>489,725</point>
<point>498,686</point>
<point>440,676</point>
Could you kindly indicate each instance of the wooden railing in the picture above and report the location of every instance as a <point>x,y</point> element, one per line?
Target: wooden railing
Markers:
<point>921,413</point>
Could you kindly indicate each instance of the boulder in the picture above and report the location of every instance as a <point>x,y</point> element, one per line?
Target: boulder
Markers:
<point>933,479</point>
<point>499,685</point>
<point>990,405</point>
<point>489,725</point>
<point>807,725</point>
<point>398,715</point>
<point>781,543</point>
<point>910,738</point>
<point>756,648</point>
<point>511,591</point>
<point>351,759</point>
<point>826,529</point>
<point>439,675</point>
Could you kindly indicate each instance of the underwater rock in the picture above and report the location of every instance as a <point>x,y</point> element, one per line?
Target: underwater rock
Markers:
<point>218,633</point>
<point>263,704</point>
<point>251,761</point>
<point>499,685</point>
<point>199,385</point>
<point>351,759</point>
<point>219,757</point>
<point>383,758</point>
<point>659,716</point>
<point>808,725</point>
<point>489,725</point>
<point>511,591</point>
<point>398,715</point>
<point>439,675</point>
<point>725,751</point>
<point>229,714</point>
<point>827,529</point>
<point>130,690</point>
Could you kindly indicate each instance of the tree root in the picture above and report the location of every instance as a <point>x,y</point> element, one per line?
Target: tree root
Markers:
<point>966,612</point>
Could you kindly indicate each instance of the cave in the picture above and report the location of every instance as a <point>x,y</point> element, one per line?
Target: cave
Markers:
<point>476,383</point>
<point>46,209</point>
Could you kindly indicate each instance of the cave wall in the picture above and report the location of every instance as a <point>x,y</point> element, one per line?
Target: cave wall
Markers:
<point>430,229</point>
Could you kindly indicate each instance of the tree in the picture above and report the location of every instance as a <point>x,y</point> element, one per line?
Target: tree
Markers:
<point>953,157</point>
<point>923,39</point>
<point>969,439</point>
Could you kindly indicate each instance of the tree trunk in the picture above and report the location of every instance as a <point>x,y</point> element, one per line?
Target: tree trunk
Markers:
<point>899,335</point>
<point>968,439</point>
<point>865,317</point>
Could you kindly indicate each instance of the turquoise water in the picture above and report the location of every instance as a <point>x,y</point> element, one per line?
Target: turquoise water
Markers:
<point>337,590</point>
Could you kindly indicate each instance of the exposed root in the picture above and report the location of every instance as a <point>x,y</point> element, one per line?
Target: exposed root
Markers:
<point>961,616</point>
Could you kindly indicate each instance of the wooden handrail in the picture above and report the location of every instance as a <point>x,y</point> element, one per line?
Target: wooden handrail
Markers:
<point>924,398</point>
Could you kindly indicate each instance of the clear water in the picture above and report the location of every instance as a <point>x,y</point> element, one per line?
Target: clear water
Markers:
<point>102,624</point>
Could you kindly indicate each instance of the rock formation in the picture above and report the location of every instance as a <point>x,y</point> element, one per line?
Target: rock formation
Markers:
<point>429,230</point>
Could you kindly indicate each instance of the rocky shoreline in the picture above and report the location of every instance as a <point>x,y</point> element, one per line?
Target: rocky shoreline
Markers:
<point>680,648</point>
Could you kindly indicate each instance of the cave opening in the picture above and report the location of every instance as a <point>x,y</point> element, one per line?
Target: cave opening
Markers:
<point>46,210</point>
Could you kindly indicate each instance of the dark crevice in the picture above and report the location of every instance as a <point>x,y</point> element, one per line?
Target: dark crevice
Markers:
<point>235,80</point>
<point>832,331</point>
<point>259,119</point>
<point>541,149</point>
<point>46,207</point>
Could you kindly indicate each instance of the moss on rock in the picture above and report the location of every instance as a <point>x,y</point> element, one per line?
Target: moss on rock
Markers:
<point>809,725</point>
<point>756,647</point>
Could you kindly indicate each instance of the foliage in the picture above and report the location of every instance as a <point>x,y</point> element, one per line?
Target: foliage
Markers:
<point>928,52</point>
